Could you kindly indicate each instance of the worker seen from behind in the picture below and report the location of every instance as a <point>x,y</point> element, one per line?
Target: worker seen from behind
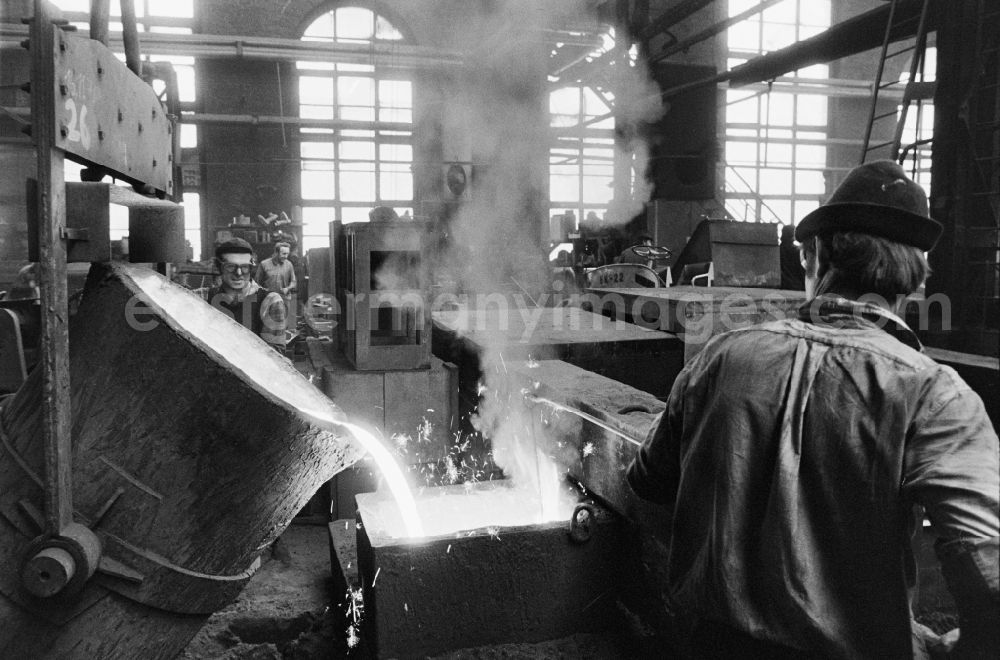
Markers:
<point>793,455</point>
<point>241,298</point>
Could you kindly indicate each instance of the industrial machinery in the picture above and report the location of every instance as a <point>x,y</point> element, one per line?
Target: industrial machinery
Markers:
<point>145,463</point>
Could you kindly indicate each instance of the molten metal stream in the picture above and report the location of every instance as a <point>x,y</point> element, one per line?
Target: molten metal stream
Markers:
<point>393,475</point>
<point>579,413</point>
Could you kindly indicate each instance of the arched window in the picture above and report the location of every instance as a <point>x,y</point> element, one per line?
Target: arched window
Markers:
<point>360,153</point>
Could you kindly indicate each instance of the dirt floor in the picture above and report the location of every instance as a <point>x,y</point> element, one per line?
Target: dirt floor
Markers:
<point>288,611</point>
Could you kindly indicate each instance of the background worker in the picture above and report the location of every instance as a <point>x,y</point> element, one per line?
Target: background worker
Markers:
<point>241,298</point>
<point>277,273</point>
<point>630,256</point>
<point>792,454</point>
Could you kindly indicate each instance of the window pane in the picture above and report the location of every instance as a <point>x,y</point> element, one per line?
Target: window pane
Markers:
<point>809,182</point>
<point>358,183</point>
<point>565,101</point>
<point>353,68</point>
<point>593,104</point>
<point>317,150</point>
<point>745,35</point>
<point>173,8</point>
<point>316,227</point>
<point>778,35</point>
<point>741,153</point>
<point>395,152</point>
<point>315,90</point>
<point>354,214</point>
<point>315,66</point>
<point>189,136</point>
<point>777,210</point>
<point>117,221</point>
<point>597,189</point>
<point>395,93</point>
<point>351,150</point>
<point>185,80</point>
<point>775,182</point>
<point>396,115</point>
<point>355,90</point>
<point>780,109</point>
<point>814,71</point>
<point>321,28</point>
<point>316,111</point>
<point>803,208</point>
<point>385,30</point>
<point>564,188</point>
<point>355,23</point>
<point>395,182</point>
<point>807,154</point>
<point>811,110</point>
<point>777,153</point>
<point>317,185</point>
<point>744,111</point>
<point>192,222</point>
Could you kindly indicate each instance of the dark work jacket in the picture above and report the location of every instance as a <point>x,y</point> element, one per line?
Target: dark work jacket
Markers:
<point>791,455</point>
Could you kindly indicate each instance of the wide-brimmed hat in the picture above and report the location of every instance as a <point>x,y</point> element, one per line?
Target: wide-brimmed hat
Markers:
<point>876,198</point>
<point>233,245</point>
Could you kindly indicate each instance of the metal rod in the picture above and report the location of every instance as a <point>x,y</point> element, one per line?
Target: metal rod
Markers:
<point>51,205</point>
<point>582,415</point>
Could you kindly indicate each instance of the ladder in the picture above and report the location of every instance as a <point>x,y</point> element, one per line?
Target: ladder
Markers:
<point>915,89</point>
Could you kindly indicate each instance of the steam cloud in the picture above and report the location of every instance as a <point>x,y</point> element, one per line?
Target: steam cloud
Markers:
<point>498,234</point>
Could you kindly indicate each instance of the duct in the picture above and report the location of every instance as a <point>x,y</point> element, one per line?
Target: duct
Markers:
<point>850,37</point>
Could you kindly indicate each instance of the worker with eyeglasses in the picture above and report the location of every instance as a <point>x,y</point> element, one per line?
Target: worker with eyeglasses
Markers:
<point>241,298</point>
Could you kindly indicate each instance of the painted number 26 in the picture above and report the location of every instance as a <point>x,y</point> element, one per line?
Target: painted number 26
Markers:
<point>76,127</point>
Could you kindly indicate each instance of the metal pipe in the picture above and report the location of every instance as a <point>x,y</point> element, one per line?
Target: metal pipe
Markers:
<point>400,56</point>
<point>264,120</point>
<point>130,37</point>
<point>100,11</point>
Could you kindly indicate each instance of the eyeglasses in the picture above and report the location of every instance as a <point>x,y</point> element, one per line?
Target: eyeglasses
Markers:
<point>242,269</point>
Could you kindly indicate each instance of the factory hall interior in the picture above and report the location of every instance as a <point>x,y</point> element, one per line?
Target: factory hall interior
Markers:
<point>499,329</point>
